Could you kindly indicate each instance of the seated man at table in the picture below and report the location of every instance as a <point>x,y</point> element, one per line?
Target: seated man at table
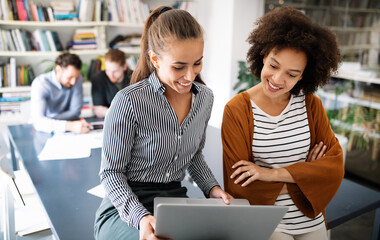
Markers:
<point>105,84</point>
<point>57,97</point>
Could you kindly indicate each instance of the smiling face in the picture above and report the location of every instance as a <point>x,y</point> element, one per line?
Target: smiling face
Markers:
<point>281,71</point>
<point>178,67</point>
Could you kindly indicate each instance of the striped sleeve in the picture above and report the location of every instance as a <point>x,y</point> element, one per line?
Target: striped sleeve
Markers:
<point>198,168</point>
<point>119,132</point>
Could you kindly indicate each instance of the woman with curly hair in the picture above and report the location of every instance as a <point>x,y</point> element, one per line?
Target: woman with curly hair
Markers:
<point>278,146</point>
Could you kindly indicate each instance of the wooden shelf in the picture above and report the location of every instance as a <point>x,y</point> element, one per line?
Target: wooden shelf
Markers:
<point>354,128</point>
<point>69,24</point>
<point>331,8</point>
<point>17,89</point>
<point>359,47</point>
<point>355,76</point>
<point>354,29</point>
<point>347,99</point>
<point>49,54</point>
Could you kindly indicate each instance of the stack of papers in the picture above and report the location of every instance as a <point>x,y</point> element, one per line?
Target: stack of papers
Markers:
<point>70,145</point>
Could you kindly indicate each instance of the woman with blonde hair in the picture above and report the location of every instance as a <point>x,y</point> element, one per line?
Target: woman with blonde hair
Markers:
<point>155,129</point>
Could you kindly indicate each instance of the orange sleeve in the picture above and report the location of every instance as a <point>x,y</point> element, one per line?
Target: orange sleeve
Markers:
<point>317,182</point>
<point>237,144</point>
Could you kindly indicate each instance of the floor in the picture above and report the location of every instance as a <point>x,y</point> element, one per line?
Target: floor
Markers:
<point>359,228</point>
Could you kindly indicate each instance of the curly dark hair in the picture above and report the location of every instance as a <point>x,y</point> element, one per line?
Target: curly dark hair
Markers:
<point>66,59</point>
<point>287,27</point>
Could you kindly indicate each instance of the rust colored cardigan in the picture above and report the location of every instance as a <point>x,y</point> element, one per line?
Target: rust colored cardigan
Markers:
<point>316,182</point>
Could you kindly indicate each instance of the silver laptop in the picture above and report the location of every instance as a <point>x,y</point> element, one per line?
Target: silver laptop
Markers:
<point>194,219</point>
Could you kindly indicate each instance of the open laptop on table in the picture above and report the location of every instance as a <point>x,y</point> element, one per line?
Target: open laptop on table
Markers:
<point>211,219</point>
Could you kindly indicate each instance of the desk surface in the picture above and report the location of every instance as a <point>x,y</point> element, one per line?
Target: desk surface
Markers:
<point>61,184</point>
<point>351,200</point>
<point>62,187</point>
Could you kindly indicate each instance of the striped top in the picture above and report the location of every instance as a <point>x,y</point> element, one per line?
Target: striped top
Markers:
<point>279,141</point>
<point>144,142</point>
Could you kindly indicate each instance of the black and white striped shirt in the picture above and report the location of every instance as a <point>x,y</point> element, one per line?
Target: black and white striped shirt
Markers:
<point>279,141</point>
<point>144,142</point>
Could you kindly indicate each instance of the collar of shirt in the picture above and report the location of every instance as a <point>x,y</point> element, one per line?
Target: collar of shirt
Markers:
<point>159,87</point>
<point>54,79</point>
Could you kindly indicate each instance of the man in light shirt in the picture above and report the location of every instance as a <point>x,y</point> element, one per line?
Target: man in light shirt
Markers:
<point>57,97</point>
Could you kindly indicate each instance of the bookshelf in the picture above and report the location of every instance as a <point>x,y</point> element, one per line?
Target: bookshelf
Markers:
<point>108,18</point>
<point>40,60</point>
<point>352,97</point>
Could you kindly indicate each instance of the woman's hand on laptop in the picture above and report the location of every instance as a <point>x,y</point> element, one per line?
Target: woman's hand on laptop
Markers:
<point>147,226</point>
<point>217,192</point>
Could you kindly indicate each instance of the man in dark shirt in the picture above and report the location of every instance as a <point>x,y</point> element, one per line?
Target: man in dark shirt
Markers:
<point>105,84</point>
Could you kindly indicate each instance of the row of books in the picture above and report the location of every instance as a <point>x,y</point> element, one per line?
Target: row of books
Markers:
<point>128,43</point>
<point>28,10</point>
<point>11,105</point>
<point>14,96</point>
<point>25,10</point>
<point>13,76</point>
<point>353,39</point>
<point>23,40</point>
<point>355,4</point>
<point>128,11</point>
<point>92,10</point>
<point>89,38</point>
<point>327,17</point>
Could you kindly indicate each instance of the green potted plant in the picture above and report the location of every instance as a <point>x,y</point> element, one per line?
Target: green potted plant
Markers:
<point>245,78</point>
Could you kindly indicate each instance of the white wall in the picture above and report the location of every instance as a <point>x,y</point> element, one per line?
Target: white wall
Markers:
<point>227,24</point>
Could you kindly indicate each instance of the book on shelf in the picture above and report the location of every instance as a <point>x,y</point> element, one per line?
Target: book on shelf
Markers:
<point>128,11</point>
<point>31,41</point>
<point>13,76</point>
<point>34,12</point>
<point>13,72</point>
<point>88,38</point>
<point>45,14</point>
<point>13,8</point>
<point>13,108</point>
<point>113,13</point>
<point>15,40</point>
<point>24,40</point>
<point>128,44</point>
<point>86,10</point>
<point>28,10</point>
<point>20,40</point>
<point>41,17</point>
<point>10,40</point>
<point>5,10</point>
<point>57,41</point>
<point>50,39</point>
<point>64,16</point>
<point>22,15</point>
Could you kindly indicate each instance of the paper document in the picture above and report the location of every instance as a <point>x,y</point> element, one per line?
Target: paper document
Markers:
<point>97,191</point>
<point>70,145</point>
<point>30,218</point>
